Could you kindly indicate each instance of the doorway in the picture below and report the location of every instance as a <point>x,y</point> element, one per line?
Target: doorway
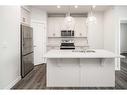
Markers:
<point>123,42</point>
<point>39,37</point>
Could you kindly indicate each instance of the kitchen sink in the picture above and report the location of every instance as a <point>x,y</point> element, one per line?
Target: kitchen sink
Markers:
<point>84,51</point>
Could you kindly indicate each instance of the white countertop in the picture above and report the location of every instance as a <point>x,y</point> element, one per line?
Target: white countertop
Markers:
<point>99,53</point>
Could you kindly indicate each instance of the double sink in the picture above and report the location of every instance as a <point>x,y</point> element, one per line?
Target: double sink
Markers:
<point>84,51</point>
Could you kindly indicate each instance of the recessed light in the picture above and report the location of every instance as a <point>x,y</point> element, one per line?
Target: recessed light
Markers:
<point>93,6</point>
<point>76,6</point>
<point>58,6</point>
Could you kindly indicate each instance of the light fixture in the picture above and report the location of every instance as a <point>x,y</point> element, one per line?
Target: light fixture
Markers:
<point>93,6</point>
<point>68,17</point>
<point>91,18</point>
<point>58,6</point>
<point>69,22</point>
<point>76,6</point>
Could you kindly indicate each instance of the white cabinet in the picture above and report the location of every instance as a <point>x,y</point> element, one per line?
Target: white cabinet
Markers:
<point>50,26</point>
<point>83,72</point>
<point>25,16</point>
<point>80,27</point>
<point>62,73</point>
<point>55,25</point>
<point>91,70</point>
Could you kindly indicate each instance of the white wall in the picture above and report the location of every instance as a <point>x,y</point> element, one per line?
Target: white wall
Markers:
<point>120,14</point>
<point>109,31</point>
<point>112,19</point>
<point>9,45</point>
<point>96,32</point>
<point>123,38</point>
<point>110,39</point>
<point>38,14</point>
<point>39,18</point>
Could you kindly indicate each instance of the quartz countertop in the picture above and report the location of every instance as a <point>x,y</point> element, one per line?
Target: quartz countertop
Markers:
<point>98,53</point>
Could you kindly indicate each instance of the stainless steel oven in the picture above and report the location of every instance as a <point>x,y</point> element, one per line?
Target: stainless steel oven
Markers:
<point>67,44</point>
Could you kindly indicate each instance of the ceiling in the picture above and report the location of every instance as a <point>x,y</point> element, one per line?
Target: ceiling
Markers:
<point>72,9</point>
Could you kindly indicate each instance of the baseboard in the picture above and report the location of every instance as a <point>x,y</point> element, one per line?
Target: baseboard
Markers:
<point>13,83</point>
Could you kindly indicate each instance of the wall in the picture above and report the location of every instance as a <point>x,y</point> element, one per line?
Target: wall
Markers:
<point>123,38</point>
<point>96,32</point>
<point>112,19</point>
<point>109,30</point>
<point>9,46</point>
<point>110,33</point>
<point>39,18</point>
<point>38,14</point>
<point>120,14</point>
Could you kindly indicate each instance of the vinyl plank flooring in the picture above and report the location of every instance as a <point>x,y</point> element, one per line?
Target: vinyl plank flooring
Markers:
<point>36,79</point>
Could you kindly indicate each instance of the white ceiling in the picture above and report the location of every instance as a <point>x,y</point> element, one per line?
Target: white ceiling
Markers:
<point>65,9</point>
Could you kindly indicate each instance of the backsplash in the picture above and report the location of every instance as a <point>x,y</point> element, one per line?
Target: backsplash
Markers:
<point>80,43</point>
<point>54,33</point>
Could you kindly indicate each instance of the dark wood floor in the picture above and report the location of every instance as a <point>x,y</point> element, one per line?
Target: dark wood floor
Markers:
<point>36,79</point>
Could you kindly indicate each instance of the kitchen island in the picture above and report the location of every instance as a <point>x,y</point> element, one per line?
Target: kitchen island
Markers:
<point>78,68</point>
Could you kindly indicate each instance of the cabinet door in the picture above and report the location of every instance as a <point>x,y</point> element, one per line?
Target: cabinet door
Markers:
<point>97,74</point>
<point>90,72</point>
<point>50,26</point>
<point>80,27</point>
<point>62,73</point>
<point>58,26</point>
<point>25,16</point>
<point>55,25</point>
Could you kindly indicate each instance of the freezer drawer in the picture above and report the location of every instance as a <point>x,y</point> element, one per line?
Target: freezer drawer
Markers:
<point>27,64</point>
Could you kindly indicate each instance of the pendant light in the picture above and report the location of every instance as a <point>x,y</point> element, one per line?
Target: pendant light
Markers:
<point>91,18</point>
<point>68,18</point>
<point>69,21</point>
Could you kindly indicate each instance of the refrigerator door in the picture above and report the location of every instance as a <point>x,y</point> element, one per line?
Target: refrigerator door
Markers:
<point>26,50</point>
<point>27,40</point>
<point>27,64</point>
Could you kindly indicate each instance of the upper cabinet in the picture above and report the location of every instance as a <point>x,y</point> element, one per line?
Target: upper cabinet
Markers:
<point>80,27</point>
<point>25,16</point>
<point>56,24</point>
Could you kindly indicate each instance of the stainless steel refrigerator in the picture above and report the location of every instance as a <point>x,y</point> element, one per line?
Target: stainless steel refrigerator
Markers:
<point>26,50</point>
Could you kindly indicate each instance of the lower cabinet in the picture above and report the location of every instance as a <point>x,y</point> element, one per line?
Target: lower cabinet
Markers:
<point>74,72</point>
<point>97,73</point>
<point>62,73</point>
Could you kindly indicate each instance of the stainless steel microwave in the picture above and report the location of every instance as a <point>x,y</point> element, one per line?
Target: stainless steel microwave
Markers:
<point>67,33</point>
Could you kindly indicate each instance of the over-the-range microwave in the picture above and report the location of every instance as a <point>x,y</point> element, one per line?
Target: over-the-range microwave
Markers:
<point>67,33</point>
